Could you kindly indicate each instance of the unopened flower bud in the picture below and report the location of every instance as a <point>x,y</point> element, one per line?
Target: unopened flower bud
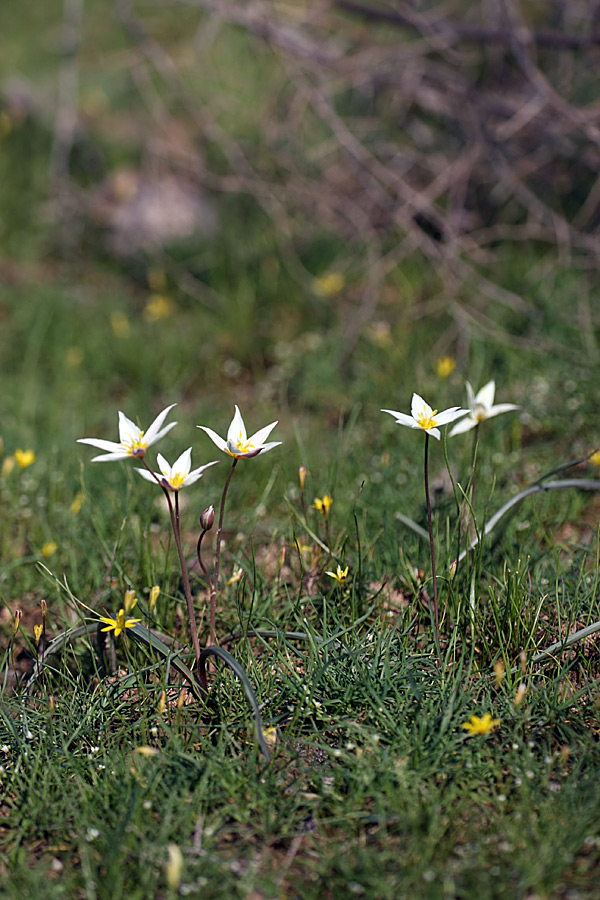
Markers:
<point>43,607</point>
<point>302,476</point>
<point>182,698</point>
<point>162,703</point>
<point>17,622</point>
<point>154,592</point>
<point>130,601</point>
<point>207,518</point>
<point>37,634</point>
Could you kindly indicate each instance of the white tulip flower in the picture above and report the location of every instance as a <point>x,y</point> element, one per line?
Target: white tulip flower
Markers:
<point>481,407</point>
<point>238,444</point>
<point>133,442</point>
<point>424,418</point>
<point>177,476</point>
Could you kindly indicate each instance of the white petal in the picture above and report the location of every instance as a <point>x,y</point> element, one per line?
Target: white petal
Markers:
<point>464,425</point>
<point>501,408</point>
<point>195,474</point>
<point>258,439</point>
<point>129,432</point>
<point>148,475</point>
<point>111,457</point>
<point>111,446</point>
<point>266,447</point>
<point>153,433</point>
<point>237,430</point>
<point>486,395</point>
<point>163,465</point>
<point>434,432</point>
<point>419,409</point>
<point>402,418</point>
<point>183,463</point>
<point>221,444</point>
<point>450,415</point>
<point>470,396</point>
<point>158,437</point>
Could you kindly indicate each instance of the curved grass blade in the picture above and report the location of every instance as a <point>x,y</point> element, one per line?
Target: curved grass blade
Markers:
<point>581,484</point>
<point>240,674</point>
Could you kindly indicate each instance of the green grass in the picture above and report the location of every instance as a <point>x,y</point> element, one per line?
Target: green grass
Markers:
<point>374,788</point>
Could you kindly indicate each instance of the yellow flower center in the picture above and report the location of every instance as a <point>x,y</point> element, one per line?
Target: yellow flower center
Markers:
<point>242,446</point>
<point>479,412</point>
<point>176,480</point>
<point>136,448</point>
<point>427,422</point>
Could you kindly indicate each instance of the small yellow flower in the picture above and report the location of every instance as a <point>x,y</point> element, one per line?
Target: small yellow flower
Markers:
<point>154,594</point>
<point>339,575</point>
<point>595,458</point>
<point>119,324</point>
<point>445,366</point>
<point>329,285</point>
<point>323,505</point>
<point>119,624</point>
<point>129,602</point>
<point>475,725</point>
<point>182,698</point>
<point>78,501</point>
<point>7,466</point>
<point>17,622</point>
<point>24,458</point>
<point>37,633</point>
<point>158,307</point>
<point>49,548</point>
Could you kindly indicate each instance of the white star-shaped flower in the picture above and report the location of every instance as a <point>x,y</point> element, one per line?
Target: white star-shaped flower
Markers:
<point>133,442</point>
<point>177,476</point>
<point>481,407</point>
<point>238,444</point>
<point>424,418</point>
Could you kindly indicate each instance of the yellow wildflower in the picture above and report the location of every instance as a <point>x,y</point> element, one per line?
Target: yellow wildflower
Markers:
<point>445,366</point>
<point>119,624</point>
<point>323,505</point>
<point>475,725</point>
<point>49,548</point>
<point>37,633</point>
<point>158,307</point>
<point>24,458</point>
<point>7,466</point>
<point>339,575</point>
<point>595,458</point>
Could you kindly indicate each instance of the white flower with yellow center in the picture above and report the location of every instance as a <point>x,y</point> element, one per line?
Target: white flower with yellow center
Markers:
<point>481,407</point>
<point>177,476</point>
<point>238,444</point>
<point>133,442</point>
<point>424,418</point>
